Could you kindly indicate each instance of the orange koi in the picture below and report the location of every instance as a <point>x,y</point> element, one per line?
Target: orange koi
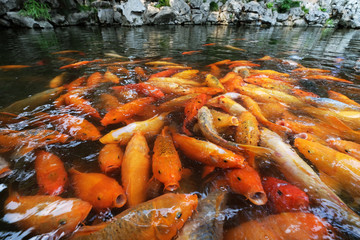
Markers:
<point>243,64</point>
<point>94,79</point>
<point>161,63</point>
<point>135,169</point>
<point>191,52</point>
<point>222,62</point>
<point>6,118</point>
<point>289,225</point>
<point>191,109</point>
<point>214,70</point>
<point>13,67</point>
<point>77,127</point>
<point>107,102</point>
<point>58,80</point>
<point>310,70</point>
<point>126,111</point>
<point>69,51</point>
<point>285,197</point>
<point>347,147</point>
<point>75,101</point>
<point>110,158</point>
<point>141,74</point>
<point>301,93</point>
<point>31,138</point>
<point>159,218</point>
<point>186,74</point>
<point>166,164</point>
<point>342,98</point>
<point>176,103</point>
<point>212,81</point>
<point>234,48</point>
<point>116,69</point>
<point>228,77</point>
<point>343,168</point>
<point>4,168</point>
<point>110,77</point>
<point>207,152</point>
<point>326,77</point>
<point>209,44</point>
<point>45,214</point>
<point>247,131</point>
<point>77,83</point>
<point>149,127</point>
<point>90,188</point>
<point>66,59</point>
<point>233,84</point>
<point>50,173</point>
<point>143,88</point>
<point>222,120</point>
<point>79,64</point>
<point>246,181</point>
<point>269,73</point>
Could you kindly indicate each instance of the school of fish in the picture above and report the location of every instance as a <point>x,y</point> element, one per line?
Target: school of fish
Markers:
<point>184,153</point>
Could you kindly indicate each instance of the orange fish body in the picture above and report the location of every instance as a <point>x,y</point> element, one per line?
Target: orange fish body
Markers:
<point>207,152</point>
<point>50,173</point>
<point>246,181</point>
<point>159,218</point>
<point>149,128</point>
<point>45,214</point>
<point>191,109</point>
<point>247,132</point>
<point>13,67</point>
<point>106,102</point>
<point>342,98</point>
<point>126,111</point>
<point>94,79</point>
<point>98,189</point>
<point>111,77</point>
<point>77,102</point>
<point>347,147</point>
<point>343,168</point>
<point>166,164</point>
<point>142,88</point>
<point>285,197</point>
<point>110,158</point>
<point>191,52</point>
<point>77,127</point>
<point>289,225</point>
<point>135,169</point>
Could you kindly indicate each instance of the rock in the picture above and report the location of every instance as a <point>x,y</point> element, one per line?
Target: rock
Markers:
<point>254,7</point>
<point>316,17</point>
<point>249,17</point>
<point>117,17</point>
<point>165,15</point>
<point>132,12</point>
<point>181,10</point>
<point>4,23</point>
<point>101,4</point>
<point>198,16</point>
<point>281,17</point>
<point>195,3</point>
<point>58,20</point>
<point>300,23</point>
<point>105,16</point>
<point>213,17</point>
<point>268,17</point>
<point>150,14</point>
<point>296,13</point>
<point>22,21</point>
<point>79,18</point>
<point>233,6</point>
<point>52,3</point>
<point>7,5</point>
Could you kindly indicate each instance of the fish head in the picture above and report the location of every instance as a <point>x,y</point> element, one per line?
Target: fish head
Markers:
<point>173,212</point>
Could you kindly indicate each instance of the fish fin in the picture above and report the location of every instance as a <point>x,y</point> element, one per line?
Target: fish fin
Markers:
<point>260,151</point>
<point>85,230</point>
<point>338,124</point>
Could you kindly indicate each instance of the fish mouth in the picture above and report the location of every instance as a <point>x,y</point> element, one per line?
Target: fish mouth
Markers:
<point>171,187</point>
<point>120,200</point>
<point>258,198</point>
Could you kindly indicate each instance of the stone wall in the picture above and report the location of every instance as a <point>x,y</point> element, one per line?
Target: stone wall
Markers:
<point>319,13</point>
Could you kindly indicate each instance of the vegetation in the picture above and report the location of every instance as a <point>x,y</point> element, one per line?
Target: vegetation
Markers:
<point>214,6</point>
<point>163,3</point>
<point>36,10</point>
<point>323,9</point>
<point>330,23</point>
<point>270,5</point>
<point>305,10</point>
<point>284,6</point>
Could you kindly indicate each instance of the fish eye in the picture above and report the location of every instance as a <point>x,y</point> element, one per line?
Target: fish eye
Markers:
<point>62,222</point>
<point>178,215</point>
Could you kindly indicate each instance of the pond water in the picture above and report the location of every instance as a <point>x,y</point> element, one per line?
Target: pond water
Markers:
<point>336,50</point>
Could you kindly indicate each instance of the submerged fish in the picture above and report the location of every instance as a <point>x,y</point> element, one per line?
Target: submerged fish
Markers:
<point>159,218</point>
<point>208,221</point>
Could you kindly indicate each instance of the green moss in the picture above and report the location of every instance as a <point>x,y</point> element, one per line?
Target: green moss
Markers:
<point>214,7</point>
<point>305,10</point>
<point>36,10</point>
<point>323,9</point>
<point>284,6</point>
<point>163,3</point>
